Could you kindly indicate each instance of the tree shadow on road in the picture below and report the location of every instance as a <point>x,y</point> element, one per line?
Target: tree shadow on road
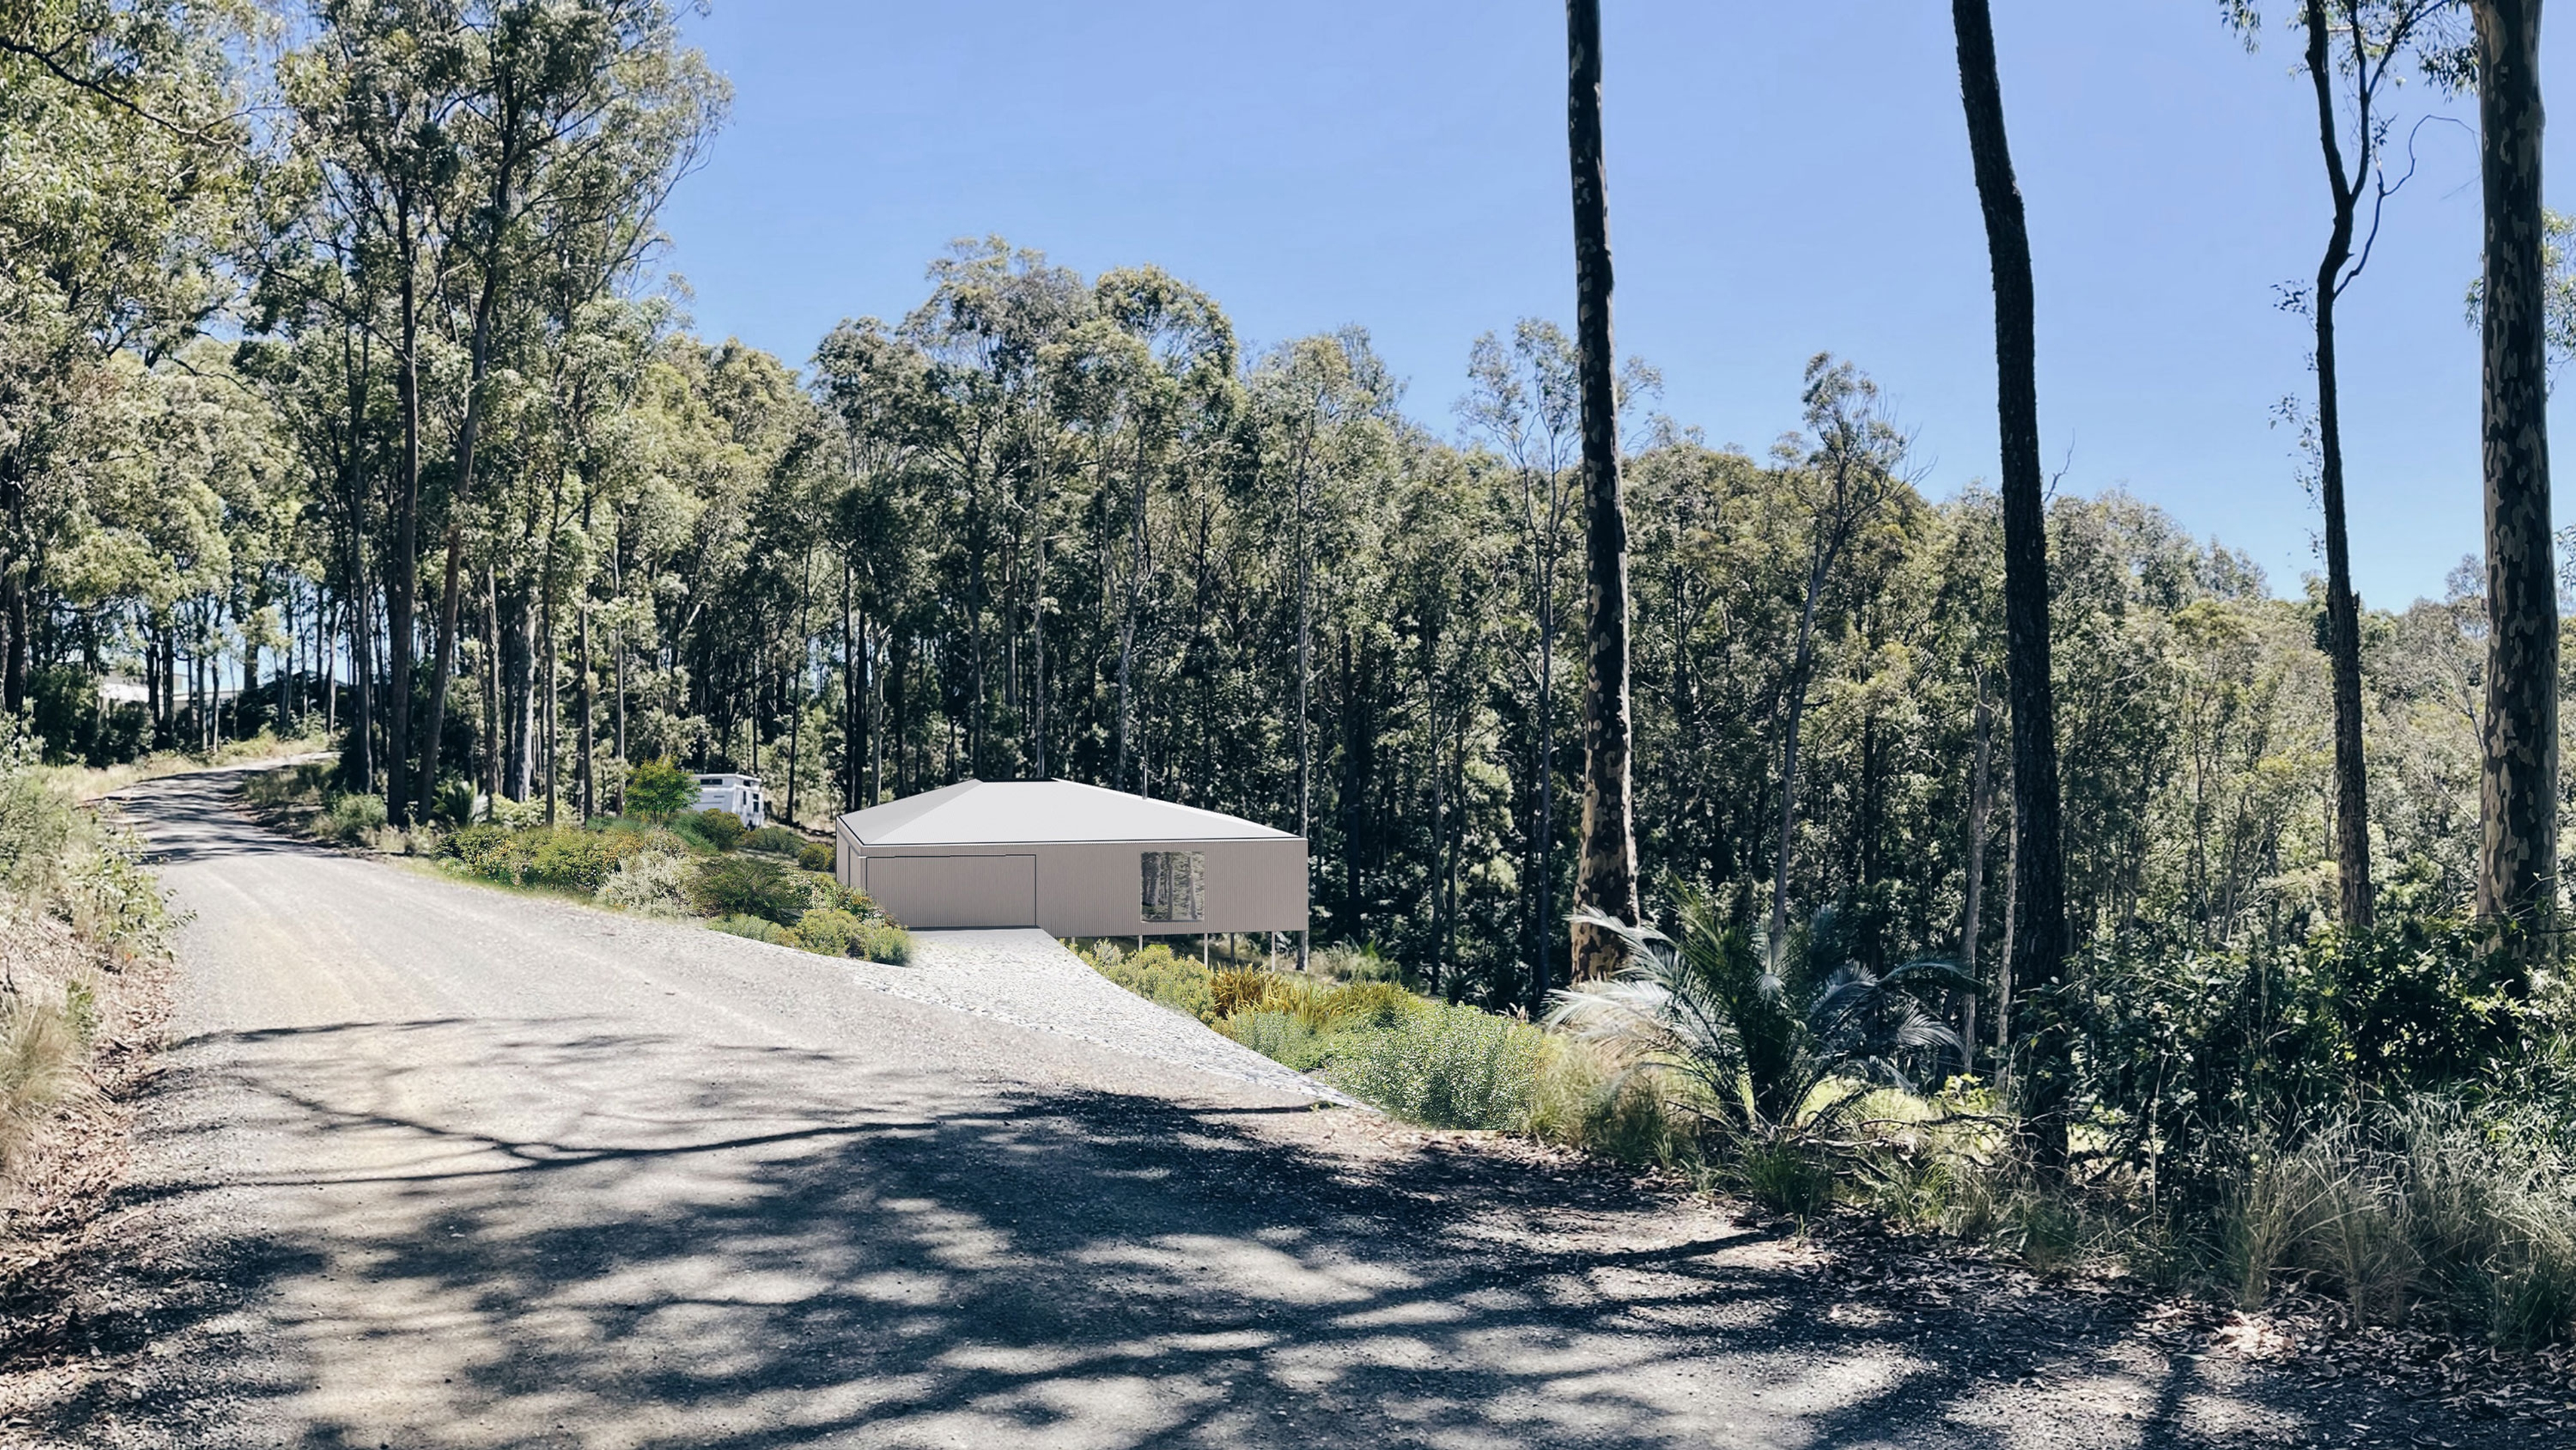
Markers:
<point>195,818</point>
<point>662,1243</point>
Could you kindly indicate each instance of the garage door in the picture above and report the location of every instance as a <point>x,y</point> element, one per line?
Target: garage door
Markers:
<point>936,892</point>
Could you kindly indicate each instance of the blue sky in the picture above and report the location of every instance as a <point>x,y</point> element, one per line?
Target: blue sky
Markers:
<point>1784,179</point>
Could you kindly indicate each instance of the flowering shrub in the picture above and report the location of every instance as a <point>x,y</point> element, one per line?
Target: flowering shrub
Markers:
<point>654,883</point>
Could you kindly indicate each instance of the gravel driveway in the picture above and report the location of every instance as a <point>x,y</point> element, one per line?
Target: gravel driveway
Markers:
<point>437,1165</point>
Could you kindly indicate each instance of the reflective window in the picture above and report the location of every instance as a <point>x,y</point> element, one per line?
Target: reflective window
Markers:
<point>1175,885</point>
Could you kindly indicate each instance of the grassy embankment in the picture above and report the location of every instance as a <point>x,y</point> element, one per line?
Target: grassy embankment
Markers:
<point>84,956</point>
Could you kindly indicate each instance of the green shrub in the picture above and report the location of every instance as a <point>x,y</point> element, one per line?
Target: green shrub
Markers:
<point>517,815</point>
<point>1322,1005</point>
<point>777,840</point>
<point>36,823</point>
<point>572,858</point>
<point>722,829</point>
<point>648,835</point>
<point>757,929</point>
<point>658,838</point>
<point>1283,1037</point>
<point>828,931</point>
<point>561,856</point>
<point>822,893</point>
<point>80,1009</point>
<point>883,941</point>
<point>2223,1050</point>
<point>653,883</point>
<point>477,843</point>
<point>1371,1003</point>
<point>111,897</point>
<point>1156,975</point>
<point>354,819</point>
<point>493,852</point>
<point>814,856</point>
<point>1450,1067</point>
<point>1343,962</point>
<point>751,886</point>
<point>1582,1098</point>
<point>658,790</point>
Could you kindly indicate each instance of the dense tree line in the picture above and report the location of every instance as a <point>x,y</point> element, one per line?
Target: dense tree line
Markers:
<point>341,397</point>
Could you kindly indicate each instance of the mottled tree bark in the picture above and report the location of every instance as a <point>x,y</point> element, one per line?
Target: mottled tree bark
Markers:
<point>1605,878</point>
<point>2039,929</point>
<point>2517,849</point>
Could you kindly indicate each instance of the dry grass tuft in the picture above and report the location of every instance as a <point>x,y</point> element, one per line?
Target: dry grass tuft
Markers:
<point>44,1066</point>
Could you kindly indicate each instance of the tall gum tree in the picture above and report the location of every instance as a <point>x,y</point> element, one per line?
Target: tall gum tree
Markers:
<point>2518,778</point>
<point>2352,48</point>
<point>1605,879</point>
<point>2038,929</point>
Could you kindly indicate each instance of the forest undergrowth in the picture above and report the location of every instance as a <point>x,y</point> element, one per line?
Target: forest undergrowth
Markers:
<point>2350,1124</point>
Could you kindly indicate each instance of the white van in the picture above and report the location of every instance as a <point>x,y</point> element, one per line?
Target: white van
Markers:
<point>737,795</point>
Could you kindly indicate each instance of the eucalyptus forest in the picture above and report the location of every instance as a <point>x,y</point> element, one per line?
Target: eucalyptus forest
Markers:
<point>341,394</point>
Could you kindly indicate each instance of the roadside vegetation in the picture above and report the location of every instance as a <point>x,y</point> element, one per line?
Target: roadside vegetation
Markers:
<point>771,884</point>
<point>83,936</point>
<point>1812,1086</point>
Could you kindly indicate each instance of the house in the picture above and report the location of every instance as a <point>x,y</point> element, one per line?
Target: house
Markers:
<point>737,795</point>
<point>1072,859</point>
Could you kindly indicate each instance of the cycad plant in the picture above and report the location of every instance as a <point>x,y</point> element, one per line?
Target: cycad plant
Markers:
<point>1770,1048</point>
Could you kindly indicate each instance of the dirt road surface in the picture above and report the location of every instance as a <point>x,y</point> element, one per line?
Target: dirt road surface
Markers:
<point>441,1166</point>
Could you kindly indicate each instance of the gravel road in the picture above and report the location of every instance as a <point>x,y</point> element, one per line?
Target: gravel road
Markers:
<point>442,1166</point>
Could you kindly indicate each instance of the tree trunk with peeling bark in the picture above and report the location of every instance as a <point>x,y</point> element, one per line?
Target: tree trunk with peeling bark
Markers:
<point>2518,797</point>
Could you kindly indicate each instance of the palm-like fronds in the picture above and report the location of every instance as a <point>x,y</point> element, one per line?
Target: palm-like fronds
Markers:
<point>1712,1008</point>
<point>1875,1027</point>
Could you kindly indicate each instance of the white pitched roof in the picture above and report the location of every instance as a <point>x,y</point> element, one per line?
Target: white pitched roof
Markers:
<point>1000,812</point>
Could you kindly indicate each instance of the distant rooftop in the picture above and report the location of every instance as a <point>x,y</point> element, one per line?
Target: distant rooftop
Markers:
<point>1000,812</point>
